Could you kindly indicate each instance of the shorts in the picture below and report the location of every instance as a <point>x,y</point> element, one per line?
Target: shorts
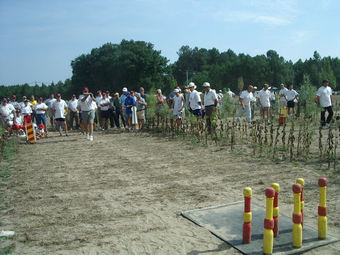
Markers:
<point>80,117</point>
<point>60,119</point>
<point>88,117</point>
<point>209,110</point>
<point>128,114</point>
<point>18,127</point>
<point>141,115</point>
<point>41,118</point>
<point>291,104</point>
<point>104,114</point>
<point>197,112</point>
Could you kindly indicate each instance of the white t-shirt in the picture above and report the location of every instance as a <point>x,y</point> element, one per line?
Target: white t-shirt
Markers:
<point>324,93</point>
<point>49,102</point>
<point>230,93</point>
<point>282,93</point>
<point>87,105</point>
<point>59,108</point>
<point>40,106</point>
<point>22,104</point>
<point>290,94</point>
<point>19,120</point>
<point>26,110</point>
<point>6,110</point>
<point>178,103</point>
<point>247,97</point>
<point>104,101</point>
<point>72,105</point>
<point>272,96</point>
<point>210,97</point>
<point>194,99</point>
<point>264,96</point>
<point>98,99</point>
<point>15,104</point>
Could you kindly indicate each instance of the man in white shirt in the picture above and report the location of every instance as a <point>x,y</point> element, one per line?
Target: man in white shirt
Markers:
<point>88,107</point>
<point>246,100</point>
<point>325,100</point>
<point>230,93</point>
<point>26,111</point>
<point>195,103</point>
<point>14,102</point>
<point>49,102</point>
<point>282,95</point>
<point>59,109</point>
<point>210,103</point>
<point>264,97</point>
<point>72,105</point>
<point>40,113</point>
<point>291,96</point>
<point>7,113</point>
<point>98,114</point>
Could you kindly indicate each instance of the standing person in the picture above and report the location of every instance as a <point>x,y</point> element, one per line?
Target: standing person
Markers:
<point>74,114</point>
<point>160,100</point>
<point>40,111</point>
<point>59,109</point>
<point>195,103</point>
<point>291,96</point>
<point>145,97</point>
<point>98,114</point>
<point>49,102</point>
<point>179,104</point>
<point>246,100</point>
<point>129,103</point>
<point>122,98</point>
<point>219,104</point>
<point>134,119</point>
<point>117,109</point>
<point>282,95</point>
<point>33,102</point>
<point>325,100</point>
<point>186,96</point>
<point>210,103</point>
<point>264,97</point>
<point>230,93</point>
<point>104,106</point>
<point>7,113</point>
<point>255,102</point>
<point>26,111</point>
<point>88,107</point>
<point>141,108</point>
<point>14,102</point>
<point>18,123</point>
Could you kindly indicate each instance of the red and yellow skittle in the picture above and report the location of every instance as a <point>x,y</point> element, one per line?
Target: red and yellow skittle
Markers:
<point>297,217</point>
<point>322,209</point>
<point>30,132</point>
<point>276,187</point>
<point>247,192</point>
<point>268,235</point>
<point>302,183</point>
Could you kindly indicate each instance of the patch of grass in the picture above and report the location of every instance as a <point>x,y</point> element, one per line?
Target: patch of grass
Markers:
<point>7,250</point>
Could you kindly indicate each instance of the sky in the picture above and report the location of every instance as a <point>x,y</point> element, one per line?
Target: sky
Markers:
<point>40,38</point>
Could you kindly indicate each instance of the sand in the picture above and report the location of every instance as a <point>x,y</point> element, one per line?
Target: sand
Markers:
<point>123,193</point>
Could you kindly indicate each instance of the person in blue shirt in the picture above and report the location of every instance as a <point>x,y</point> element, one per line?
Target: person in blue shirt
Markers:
<point>122,106</point>
<point>129,103</point>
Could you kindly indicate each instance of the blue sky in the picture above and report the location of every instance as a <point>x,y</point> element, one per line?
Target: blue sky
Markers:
<point>40,38</point>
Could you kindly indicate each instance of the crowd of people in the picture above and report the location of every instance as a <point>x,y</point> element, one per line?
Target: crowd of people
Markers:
<point>130,109</point>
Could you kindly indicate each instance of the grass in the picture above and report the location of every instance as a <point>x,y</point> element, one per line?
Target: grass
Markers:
<point>7,157</point>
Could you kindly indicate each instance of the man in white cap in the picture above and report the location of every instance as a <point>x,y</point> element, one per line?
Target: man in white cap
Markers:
<point>246,100</point>
<point>210,103</point>
<point>178,109</point>
<point>122,98</point>
<point>195,102</point>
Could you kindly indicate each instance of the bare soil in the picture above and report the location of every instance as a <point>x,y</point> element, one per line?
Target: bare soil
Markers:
<point>123,194</point>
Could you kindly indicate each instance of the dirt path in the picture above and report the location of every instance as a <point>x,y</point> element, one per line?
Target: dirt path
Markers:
<point>123,194</point>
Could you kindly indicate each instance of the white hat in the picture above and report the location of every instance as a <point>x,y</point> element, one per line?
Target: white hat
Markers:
<point>255,87</point>
<point>124,89</point>
<point>206,84</point>
<point>176,90</point>
<point>191,84</point>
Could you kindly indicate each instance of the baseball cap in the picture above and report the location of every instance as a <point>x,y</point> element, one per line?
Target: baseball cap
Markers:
<point>99,91</point>
<point>73,95</point>
<point>58,95</point>
<point>86,90</point>
<point>107,92</point>
<point>4,99</point>
<point>191,84</point>
<point>176,90</point>
<point>14,96</point>
<point>124,89</point>
<point>206,84</point>
<point>137,95</point>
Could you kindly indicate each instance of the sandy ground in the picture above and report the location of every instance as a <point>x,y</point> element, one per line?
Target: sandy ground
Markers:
<point>123,194</point>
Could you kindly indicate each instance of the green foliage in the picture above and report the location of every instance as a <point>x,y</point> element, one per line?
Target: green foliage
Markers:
<point>306,97</point>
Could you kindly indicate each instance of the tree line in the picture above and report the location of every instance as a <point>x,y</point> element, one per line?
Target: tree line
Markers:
<point>135,64</point>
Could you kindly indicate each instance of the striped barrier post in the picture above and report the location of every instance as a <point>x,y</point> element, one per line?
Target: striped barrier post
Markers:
<point>276,187</point>
<point>247,192</point>
<point>297,218</point>
<point>302,183</point>
<point>30,132</point>
<point>268,235</point>
<point>322,209</point>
